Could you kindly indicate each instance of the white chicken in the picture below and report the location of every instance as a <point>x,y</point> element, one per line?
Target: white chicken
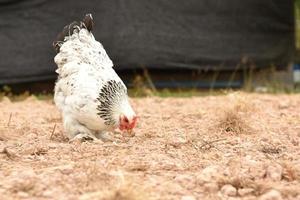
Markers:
<point>90,95</point>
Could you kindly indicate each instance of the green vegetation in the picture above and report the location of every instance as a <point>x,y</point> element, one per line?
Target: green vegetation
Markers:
<point>297,23</point>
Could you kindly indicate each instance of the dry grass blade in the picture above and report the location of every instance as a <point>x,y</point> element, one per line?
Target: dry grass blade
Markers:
<point>9,119</point>
<point>149,80</point>
<point>290,172</point>
<point>209,144</point>
<point>52,133</point>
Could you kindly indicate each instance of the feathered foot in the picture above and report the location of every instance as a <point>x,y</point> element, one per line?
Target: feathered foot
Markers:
<point>83,137</point>
<point>76,131</point>
<point>104,136</point>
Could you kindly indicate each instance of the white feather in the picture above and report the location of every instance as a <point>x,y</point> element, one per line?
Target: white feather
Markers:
<point>84,67</point>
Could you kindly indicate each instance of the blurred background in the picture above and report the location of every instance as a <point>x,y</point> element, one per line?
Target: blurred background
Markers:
<point>159,44</point>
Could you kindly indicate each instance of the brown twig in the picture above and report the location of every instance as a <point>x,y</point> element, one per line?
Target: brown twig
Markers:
<point>9,119</point>
<point>209,144</point>
<point>53,130</point>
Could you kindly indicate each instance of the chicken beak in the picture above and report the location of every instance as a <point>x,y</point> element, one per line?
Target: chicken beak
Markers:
<point>130,132</point>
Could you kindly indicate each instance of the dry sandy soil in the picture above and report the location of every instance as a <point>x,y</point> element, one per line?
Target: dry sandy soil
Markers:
<point>235,146</point>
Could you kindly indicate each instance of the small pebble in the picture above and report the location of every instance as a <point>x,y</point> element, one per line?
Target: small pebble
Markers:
<point>186,180</point>
<point>48,193</point>
<point>228,190</point>
<point>66,169</point>
<point>188,198</point>
<point>245,191</point>
<point>250,197</point>
<point>274,172</point>
<point>23,194</point>
<point>271,195</point>
<point>208,174</point>
<point>211,187</point>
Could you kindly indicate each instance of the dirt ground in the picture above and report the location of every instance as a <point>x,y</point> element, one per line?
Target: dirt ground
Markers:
<point>234,146</point>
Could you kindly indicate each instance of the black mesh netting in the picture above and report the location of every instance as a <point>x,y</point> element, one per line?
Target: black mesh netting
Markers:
<point>199,34</point>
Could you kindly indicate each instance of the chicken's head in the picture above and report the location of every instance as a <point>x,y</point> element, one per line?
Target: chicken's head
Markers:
<point>127,122</point>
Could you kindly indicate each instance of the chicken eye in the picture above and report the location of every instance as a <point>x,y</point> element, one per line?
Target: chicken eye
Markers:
<point>126,119</point>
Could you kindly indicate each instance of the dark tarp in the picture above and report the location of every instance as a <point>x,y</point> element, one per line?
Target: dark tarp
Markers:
<point>198,34</point>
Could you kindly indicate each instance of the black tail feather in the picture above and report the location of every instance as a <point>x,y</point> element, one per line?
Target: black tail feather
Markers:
<point>88,21</point>
<point>68,30</point>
